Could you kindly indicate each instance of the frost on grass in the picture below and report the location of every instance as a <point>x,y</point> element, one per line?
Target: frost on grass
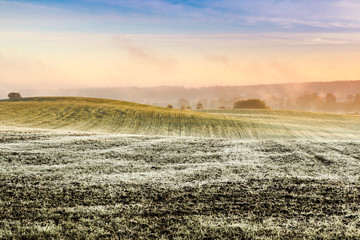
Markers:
<point>62,184</point>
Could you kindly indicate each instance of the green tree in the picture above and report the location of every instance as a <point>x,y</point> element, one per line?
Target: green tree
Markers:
<point>14,95</point>
<point>251,104</point>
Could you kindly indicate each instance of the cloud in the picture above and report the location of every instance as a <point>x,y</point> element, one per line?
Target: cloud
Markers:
<point>223,59</point>
<point>283,13</point>
<point>192,16</point>
<point>286,71</point>
<point>15,62</point>
<point>277,39</point>
<point>28,6</point>
<point>144,54</point>
<point>260,67</point>
<point>336,14</point>
<point>19,72</point>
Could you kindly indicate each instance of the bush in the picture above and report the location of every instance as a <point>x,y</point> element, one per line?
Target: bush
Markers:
<point>169,106</point>
<point>251,103</point>
<point>189,107</point>
<point>14,95</point>
<point>199,106</point>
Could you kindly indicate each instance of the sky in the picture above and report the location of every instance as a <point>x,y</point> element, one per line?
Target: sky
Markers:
<point>114,43</point>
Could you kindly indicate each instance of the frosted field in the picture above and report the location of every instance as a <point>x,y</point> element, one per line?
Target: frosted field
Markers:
<point>60,184</point>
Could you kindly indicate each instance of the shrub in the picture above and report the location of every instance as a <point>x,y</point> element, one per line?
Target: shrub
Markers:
<point>251,104</point>
<point>14,95</point>
<point>169,106</point>
<point>199,106</point>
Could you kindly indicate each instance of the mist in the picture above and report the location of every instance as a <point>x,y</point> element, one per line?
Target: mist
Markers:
<point>313,96</point>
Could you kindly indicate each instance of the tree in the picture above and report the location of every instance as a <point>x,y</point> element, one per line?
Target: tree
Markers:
<point>189,107</point>
<point>330,99</point>
<point>213,103</point>
<point>356,104</point>
<point>183,107</point>
<point>182,101</point>
<point>221,102</point>
<point>330,102</point>
<point>169,106</point>
<point>309,101</point>
<point>199,106</point>
<point>14,95</point>
<point>204,102</point>
<point>357,99</point>
<point>251,104</point>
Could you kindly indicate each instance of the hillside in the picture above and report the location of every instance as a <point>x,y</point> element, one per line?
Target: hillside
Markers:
<point>112,116</point>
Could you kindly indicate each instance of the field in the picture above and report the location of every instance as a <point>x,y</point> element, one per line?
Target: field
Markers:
<point>82,179</point>
<point>111,116</point>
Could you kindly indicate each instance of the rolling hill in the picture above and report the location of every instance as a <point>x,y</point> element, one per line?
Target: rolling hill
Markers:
<point>112,116</point>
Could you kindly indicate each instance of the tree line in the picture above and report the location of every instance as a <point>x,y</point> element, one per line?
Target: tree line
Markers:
<point>327,103</point>
<point>307,101</point>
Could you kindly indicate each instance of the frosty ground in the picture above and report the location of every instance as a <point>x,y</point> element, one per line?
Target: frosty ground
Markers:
<point>60,184</point>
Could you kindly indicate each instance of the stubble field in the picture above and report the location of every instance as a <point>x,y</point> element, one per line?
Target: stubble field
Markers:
<point>66,184</point>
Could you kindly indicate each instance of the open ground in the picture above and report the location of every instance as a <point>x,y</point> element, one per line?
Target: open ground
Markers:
<point>101,184</point>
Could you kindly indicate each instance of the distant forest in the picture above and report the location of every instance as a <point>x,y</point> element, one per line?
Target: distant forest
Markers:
<point>337,96</point>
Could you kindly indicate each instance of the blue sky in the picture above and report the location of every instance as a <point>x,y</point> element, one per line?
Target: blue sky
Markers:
<point>170,16</point>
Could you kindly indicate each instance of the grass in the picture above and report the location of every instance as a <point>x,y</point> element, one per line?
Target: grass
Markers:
<point>63,185</point>
<point>111,116</point>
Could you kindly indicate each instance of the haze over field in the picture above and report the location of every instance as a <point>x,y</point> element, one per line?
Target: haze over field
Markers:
<point>101,43</point>
<point>336,96</point>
